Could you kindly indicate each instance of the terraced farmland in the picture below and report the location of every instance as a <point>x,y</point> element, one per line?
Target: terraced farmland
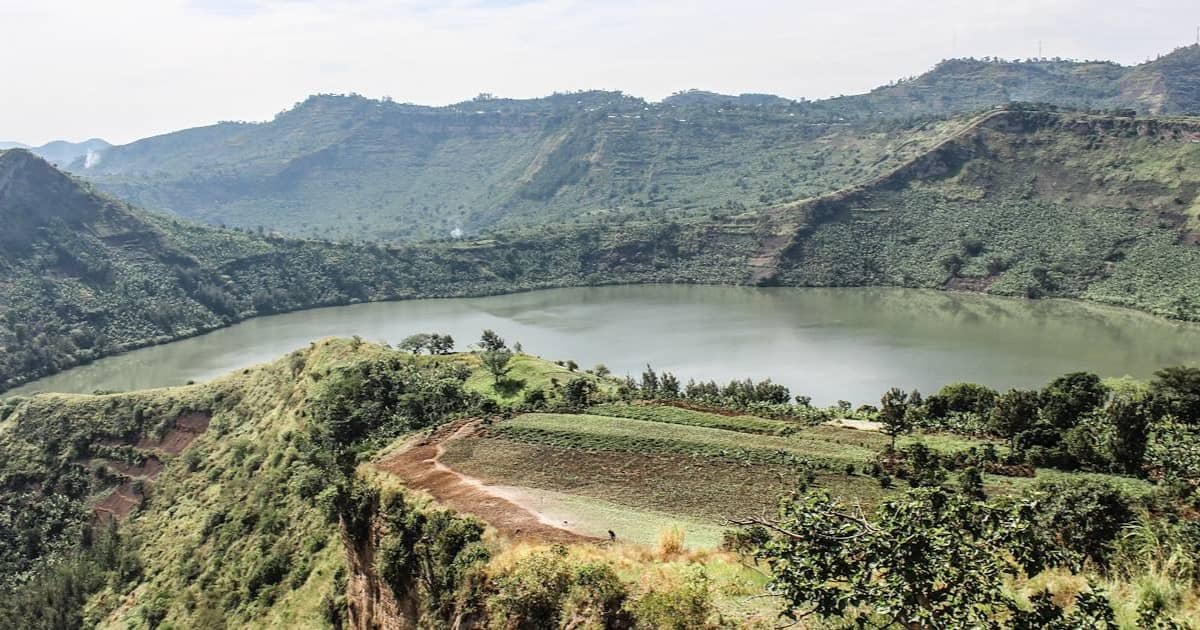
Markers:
<point>697,464</point>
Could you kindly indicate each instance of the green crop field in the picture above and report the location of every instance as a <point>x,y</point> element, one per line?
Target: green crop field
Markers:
<point>677,415</point>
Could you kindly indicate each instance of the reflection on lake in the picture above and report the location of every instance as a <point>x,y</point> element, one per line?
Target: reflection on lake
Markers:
<point>827,343</point>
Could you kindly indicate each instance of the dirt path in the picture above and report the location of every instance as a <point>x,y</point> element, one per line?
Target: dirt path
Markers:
<point>419,464</point>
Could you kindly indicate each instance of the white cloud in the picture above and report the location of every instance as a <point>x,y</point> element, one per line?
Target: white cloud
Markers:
<point>124,69</point>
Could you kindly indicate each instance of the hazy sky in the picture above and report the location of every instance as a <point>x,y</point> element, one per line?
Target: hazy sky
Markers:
<point>125,69</point>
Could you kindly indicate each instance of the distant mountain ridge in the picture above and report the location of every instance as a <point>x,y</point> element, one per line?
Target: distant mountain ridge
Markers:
<point>350,167</point>
<point>1167,85</point>
<point>61,152</point>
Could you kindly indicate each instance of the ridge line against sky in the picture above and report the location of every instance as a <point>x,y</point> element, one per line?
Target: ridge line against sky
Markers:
<point>127,69</point>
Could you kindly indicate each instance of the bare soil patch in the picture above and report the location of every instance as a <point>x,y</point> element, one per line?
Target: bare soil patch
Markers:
<point>118,504</point>
<point>148,469</point>
<point>421,468</point>
<point>706,488</point>
<point>861,425</point>
<point>187,428</point>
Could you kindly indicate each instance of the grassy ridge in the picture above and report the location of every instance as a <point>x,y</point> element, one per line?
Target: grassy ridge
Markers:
<point>676,415</point>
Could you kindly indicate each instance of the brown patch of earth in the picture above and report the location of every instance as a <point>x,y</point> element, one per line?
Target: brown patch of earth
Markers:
<point>978,285</point>
<point>187,427</point>
<point>148,469</point>
<point>119,503</point>
<point>420,466</point>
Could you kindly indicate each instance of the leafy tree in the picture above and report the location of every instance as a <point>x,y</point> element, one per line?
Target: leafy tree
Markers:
<point>441,344</point>
<point>497,363</point>
<point>1015,411</point>
<point>668,386</point>
<point>970,484</point>
<point>1131,418</point>
<point>924,466</point>
<point>578,392</point>
<point>893,414</point>
<point>1173,452</point>
<point>961,398</point>
<point>491,342</point>
<point>1068,398</point>
<point>932,558</point>
<point>1178,390</point>
<point>649,383</point>
<point>415,343</point>
<point>496,355</point>
<point>1080,518</point>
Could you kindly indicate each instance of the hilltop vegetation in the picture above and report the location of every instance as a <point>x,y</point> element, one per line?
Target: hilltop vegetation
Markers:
<point>1169,84</point>
<point>259,500</point>
<point>348,167</point>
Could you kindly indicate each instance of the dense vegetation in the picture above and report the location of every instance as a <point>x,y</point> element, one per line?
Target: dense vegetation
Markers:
<point>347,167</point>
<point>244,523</point>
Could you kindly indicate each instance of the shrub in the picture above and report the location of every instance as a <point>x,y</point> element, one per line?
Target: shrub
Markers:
<point>1082,517</point>
<point>682,603</point>
<point>670,541</point>
<point>530,595</point>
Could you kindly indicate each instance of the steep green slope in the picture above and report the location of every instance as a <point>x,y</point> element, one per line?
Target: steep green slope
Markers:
<point>268,515</point>
<point>349,167</point>
<point>1031,203</point>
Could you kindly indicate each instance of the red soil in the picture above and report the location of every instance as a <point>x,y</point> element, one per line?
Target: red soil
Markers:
<point>420,466</point>
<point>187,428</point>
<point>149,469</point>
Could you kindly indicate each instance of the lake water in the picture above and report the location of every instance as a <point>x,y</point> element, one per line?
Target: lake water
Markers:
<point>830,344</point>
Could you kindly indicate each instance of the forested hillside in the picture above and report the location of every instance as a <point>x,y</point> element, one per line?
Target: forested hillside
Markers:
<point>85,275</point>
<point>349,167</point>
<point>316,492</point>
<point>1026,203</point>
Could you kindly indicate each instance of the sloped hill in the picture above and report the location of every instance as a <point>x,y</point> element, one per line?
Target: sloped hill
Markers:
<point>349,167</point>
<point>86,276</point>
<point>1026,202</point>
<point>267,519</point>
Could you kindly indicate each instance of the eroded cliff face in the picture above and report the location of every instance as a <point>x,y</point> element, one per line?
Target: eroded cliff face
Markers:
<point>371,604</point>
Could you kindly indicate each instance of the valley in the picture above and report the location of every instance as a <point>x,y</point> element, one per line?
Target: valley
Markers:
<point>922,357</point>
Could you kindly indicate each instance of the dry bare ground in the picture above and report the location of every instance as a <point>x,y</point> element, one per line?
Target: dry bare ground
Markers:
<point>419,465</point>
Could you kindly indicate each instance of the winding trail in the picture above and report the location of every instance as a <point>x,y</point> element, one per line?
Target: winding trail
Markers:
<point>419,465</point>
